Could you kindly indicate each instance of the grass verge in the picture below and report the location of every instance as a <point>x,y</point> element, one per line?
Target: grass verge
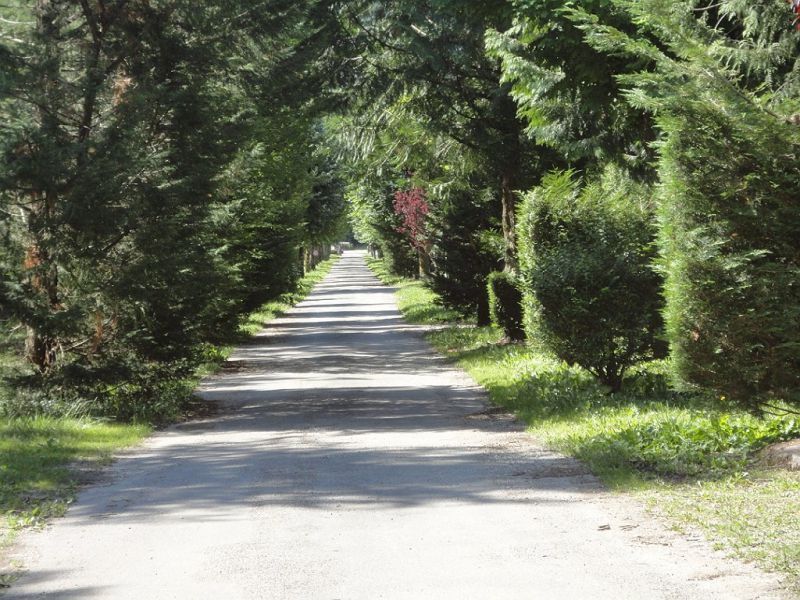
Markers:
<point>688,457</point>
<point>38,455</point>
<point>417,302</point>
<point>271,310</point>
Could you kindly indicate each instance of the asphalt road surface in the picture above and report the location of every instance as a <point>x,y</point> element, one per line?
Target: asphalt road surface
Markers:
<point>350,462</point>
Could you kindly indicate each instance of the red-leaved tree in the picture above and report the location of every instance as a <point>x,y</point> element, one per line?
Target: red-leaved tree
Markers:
<point>412,207</point>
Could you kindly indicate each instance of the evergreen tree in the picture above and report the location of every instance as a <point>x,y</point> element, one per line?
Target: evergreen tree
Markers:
<point>432,56</point>
<point>723,85</point>
<point>467,245</point>
<point>129,238</point>
<point>567,91</point>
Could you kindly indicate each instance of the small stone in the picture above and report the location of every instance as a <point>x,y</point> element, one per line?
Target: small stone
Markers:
<point>784,455</point>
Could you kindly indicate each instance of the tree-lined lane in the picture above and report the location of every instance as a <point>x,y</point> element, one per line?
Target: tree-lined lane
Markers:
<point>351,462</point>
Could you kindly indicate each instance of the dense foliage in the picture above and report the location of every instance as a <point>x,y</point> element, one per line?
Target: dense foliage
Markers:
<point>431,58</point>
<point>168,167</point>
<point>466,246</point>
<point>152,189</point>
<point>567,91</point>
<point>724,87</point>
<point>586,254</point>
<point>505,304</point>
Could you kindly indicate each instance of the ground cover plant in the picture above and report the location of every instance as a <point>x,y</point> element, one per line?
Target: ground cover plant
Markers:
<point>37,451</point>
<point>36,481</point>
<point>690,457</point>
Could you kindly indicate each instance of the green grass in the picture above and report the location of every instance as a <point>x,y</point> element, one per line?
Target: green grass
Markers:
<point>37,480</point>
<point>36,455</point>
<point>417,303</point>
<point>753,515</point>
<point>689,457</point>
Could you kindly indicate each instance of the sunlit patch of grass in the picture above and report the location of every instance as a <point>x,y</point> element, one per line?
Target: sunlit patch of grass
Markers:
<point>751,515</point>
<point>36,453</point>
<point>646,431</point>
<point>416,302</point>
<point>36,481</point>
<point>382,271</point>
<point>417,305</point>
<point>687,454</point>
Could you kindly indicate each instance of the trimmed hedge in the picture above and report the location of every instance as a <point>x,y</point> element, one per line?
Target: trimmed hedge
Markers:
<point>731,243</point>
<point>586,254</point>
<point>505,304</point>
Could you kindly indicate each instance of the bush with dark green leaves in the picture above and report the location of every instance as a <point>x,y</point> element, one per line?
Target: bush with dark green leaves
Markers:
<point>724,85</point>
<point>467,246</point>
<point>731,218</point>
<point>586,253</point>
<point>505,304</point>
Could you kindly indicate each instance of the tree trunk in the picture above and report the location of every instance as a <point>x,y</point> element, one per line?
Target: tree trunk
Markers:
<point>41,348</point>
<point>509,202</point>
<point>424,260</point>
<point>484,317</point>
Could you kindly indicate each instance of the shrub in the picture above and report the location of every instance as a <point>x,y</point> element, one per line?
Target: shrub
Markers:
<point>730,238</point>
<point>400,259</point>
<point>505,304</point>
<point>585,254</point>
<point>467,246</point>
<point>723,83</point>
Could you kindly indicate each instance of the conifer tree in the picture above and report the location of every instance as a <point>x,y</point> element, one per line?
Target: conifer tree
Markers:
<point>128,236</point>
<point>723,85</point>
<point>567,91</point>
<point>432,56</point>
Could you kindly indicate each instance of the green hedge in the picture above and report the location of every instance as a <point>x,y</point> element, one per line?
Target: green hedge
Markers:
<point>505,304</point>
<point>586,255</point>
<point>731,241</point>
<point>722,83</point>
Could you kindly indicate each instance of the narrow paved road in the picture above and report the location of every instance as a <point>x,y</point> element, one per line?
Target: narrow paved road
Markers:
<point>351,463</point>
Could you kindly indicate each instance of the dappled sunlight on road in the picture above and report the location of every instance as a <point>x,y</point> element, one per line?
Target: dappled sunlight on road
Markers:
<point>348,460</point>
